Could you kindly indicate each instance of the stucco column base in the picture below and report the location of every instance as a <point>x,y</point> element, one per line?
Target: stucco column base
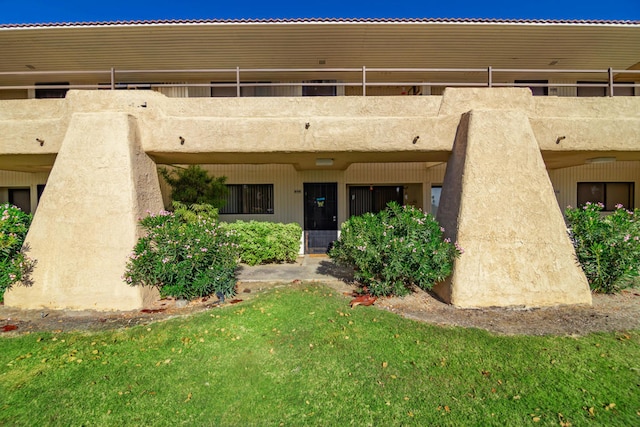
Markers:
<point>85,226</point>
<point>499,205</point>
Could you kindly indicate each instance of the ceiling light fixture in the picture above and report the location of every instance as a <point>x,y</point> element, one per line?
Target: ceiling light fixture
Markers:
<point>324,162</point>
<point>601,160</point>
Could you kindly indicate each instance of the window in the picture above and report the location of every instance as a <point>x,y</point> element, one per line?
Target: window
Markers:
<point>20,197</point>
<point>39,190</point>
<point>609,194</point>
<point>224,91</point>
<point>373,198</point>
<point>535,90</point>
<point>249,91</point>
<point>249,199</point>
<point>623,89</point>
<point>436,190</point>
<point>51,93</point>
<point>323,90</point>
<point>592,90</point>
<point>619,89</point>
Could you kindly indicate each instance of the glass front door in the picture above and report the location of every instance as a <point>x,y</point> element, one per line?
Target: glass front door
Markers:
<point>320,216</point>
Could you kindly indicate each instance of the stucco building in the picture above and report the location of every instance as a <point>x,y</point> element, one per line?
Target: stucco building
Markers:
<point>496,126</point>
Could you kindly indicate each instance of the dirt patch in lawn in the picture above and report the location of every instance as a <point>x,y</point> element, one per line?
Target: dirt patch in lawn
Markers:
<point>608,313</point>
<point>619,312</point>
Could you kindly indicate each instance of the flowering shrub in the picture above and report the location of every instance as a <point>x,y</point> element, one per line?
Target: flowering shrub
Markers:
<point>185,254</point>
<point>15,266</point>
<point>395,249</point>
<point>266,242</point>
<point>607,246</point>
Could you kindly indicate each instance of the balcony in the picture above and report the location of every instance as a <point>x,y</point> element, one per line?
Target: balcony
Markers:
<point>363,81</point>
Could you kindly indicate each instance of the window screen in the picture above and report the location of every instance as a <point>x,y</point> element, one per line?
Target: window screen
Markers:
<point>249,199</point>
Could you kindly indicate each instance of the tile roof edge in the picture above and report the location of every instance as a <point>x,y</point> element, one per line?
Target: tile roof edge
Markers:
<point>134,23</point>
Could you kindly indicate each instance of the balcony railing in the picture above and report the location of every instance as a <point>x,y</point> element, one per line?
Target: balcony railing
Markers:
<point>363,78</point>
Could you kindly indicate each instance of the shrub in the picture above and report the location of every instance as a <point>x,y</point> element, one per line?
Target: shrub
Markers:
<point>184,254</point>
<point>396,249</point>
<point>15,265</point>
<point>607,246</point>
<point>267,242</point>
<point>193,185</point>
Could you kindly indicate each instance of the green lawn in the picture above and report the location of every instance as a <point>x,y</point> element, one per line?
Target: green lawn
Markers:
<point>303,357</point>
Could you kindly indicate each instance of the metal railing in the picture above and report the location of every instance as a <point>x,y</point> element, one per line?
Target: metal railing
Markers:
<point>362,77</point>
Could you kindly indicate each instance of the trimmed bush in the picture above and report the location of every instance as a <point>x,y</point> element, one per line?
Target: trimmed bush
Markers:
<point>396,249</point>
<point>15,266</point>
<point>607,246</point>
<point>266,242</point>
<point>185,254</point>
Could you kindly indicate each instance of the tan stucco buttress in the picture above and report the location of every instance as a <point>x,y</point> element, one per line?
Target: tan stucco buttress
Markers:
<point>498,204</point>
<point>86,222</point>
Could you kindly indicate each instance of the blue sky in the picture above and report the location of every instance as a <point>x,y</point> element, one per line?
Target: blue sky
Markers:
<point>42,11</point>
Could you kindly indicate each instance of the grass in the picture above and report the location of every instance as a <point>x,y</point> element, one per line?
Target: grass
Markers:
<point>303,357</point>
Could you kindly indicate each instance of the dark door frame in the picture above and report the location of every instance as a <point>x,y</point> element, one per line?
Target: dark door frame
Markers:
<point>320,216</point>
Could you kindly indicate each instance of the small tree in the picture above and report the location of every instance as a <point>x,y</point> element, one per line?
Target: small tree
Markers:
<point>193,185</point>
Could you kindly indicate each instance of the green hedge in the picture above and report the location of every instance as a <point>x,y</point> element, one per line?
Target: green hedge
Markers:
<point>266,242</point>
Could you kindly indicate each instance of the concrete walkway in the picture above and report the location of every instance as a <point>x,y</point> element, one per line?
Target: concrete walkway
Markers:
<point>318,268</point>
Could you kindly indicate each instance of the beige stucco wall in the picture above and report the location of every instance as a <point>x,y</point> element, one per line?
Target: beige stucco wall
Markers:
<point>108,145</point>
<point>290,130</point>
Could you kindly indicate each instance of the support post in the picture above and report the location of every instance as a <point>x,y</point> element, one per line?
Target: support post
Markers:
<point>499,205</point>
<point>87,221</point>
